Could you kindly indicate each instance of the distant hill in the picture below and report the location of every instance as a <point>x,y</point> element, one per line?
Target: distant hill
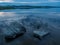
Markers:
<point>10,5</point>
<point>25,7</point>
<point>33,4</point>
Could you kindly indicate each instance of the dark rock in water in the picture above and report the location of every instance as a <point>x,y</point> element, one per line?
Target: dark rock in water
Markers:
<point>13,30</point>
<point>40,34</point>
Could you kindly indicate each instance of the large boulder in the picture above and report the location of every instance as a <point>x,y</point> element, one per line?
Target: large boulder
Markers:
<point>40,34</point>
<point>12,30</point>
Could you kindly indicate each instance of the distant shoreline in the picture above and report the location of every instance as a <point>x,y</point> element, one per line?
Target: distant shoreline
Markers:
<point>25,7</point>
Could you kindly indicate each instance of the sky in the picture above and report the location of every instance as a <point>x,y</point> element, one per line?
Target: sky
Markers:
<point>29,0</point>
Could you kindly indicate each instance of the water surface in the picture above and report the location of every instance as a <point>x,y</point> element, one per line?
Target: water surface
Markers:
<point>50,16</point>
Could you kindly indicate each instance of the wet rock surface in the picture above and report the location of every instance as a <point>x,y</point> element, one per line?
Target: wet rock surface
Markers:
<point>12,30</point>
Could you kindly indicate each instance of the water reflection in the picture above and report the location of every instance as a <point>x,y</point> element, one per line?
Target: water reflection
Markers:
<point>6,14</point>
<point>21,13</point>
<point>10,16</point>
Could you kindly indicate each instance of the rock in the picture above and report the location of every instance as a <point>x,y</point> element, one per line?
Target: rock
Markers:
<point>40,34</point>
<point>13,30</point>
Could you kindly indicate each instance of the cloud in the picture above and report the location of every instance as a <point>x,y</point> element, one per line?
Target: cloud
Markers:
<point>33,1</point>
<point>6,0</point>
<point>53,0</point>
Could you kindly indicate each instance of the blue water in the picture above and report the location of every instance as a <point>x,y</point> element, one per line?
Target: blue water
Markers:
<point>44,12</point>
<point>34,10</point>
<point>50,16</point>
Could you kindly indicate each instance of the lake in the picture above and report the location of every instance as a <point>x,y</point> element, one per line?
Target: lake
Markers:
<point>51,16</point>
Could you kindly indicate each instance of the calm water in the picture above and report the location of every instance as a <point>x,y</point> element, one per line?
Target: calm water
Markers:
<point>50,16</point>
<point>50,12</point>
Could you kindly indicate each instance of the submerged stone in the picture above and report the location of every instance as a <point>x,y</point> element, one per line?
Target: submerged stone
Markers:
<point>40,34</point>
<point>13,30</point>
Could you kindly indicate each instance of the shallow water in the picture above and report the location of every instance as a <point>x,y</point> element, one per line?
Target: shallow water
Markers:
<point>50,16</point>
